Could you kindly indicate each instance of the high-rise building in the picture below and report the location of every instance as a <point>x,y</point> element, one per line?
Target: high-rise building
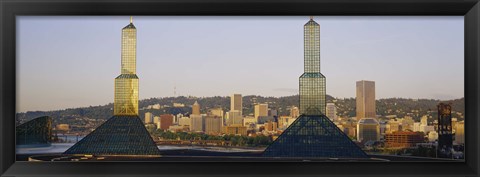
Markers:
<point>460,132</point>
<point>331,111</point>
<point>272,112</point>
<point>213,124</point>
<point>196,108</point>
<point>124,133</point>
<point>216,112</point>
<point>261,110</point>
<point>368,129</point>
<point>156,119</point>
<point>165,121</point>
<point>126,84</point>
<point>234,117</point>
<point>148,117</point>
<point>366,99</point>
<point>312,134</point>
<point>236,103</point>
<point>294,112</point>
<point>312,82</point>
<point>196,123</point>
<point>445,138</point>
<point>424,120</point>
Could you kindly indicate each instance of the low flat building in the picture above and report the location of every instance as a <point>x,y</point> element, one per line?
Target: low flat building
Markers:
<point>235,130</point>
<point>403,139</point>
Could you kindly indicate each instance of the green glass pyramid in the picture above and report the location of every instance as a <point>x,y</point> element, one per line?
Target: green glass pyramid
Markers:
<point>314,136</point>
<point>119,135</point>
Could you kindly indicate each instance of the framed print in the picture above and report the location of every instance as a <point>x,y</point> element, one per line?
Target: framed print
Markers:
<point>257,88</point>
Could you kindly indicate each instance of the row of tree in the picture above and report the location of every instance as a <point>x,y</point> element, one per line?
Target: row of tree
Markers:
<point>235,140</point>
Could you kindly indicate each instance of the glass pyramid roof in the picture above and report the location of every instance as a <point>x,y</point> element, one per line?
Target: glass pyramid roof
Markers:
<point>120,135</point>
<point>314,136</point>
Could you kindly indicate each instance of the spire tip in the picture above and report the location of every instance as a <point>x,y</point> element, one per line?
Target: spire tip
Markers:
<point>131,19</point>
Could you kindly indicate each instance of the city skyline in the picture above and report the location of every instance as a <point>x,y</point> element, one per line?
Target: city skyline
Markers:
<point>69,94</point>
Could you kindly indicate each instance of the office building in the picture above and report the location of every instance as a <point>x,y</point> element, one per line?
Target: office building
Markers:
<point>407,123</point>
<point>216,112</point>
<point>264,119</point>
<point>184,121</point>
<point>196,108</point>
<point>403,139</point>
<point>368,129</point>
<point>156,119</point>
<point>148,117</point>
<point>235,130</point>
<point>196,123</point>
<point>270,126</point>
<point>331,111</point>
<point>261,110</point>
<point>312,82</point>
<point>392,126</point>
<point>236,103</point>
<point>445,138</point>
<point>213,124</point>
<point>460,132</point>
<point>365,99</point>
<point>416,127</point>
<point>424,120</point>
<point>166,120</point>
<point>63,127</point>
<point>272,112</point>
<point>249,120</point>
<point>294,112</point>
<point>234,117</point>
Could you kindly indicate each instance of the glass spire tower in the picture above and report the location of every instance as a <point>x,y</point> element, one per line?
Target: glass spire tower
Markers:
<point>312,82</point>
<point>126,84</point>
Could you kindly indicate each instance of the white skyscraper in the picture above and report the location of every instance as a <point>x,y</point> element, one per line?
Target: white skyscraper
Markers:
<point>331,111</point>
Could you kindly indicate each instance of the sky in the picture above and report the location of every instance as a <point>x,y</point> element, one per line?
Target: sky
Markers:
<point>71,61</point>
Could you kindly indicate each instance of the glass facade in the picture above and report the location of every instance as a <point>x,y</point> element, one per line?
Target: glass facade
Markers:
<point>119,135</point>
<point>316,137</point>
<point>35,132</point>
<point>311,42</point>
<point>312,82</point>
<point>126,85</point>
<point>124,133</point>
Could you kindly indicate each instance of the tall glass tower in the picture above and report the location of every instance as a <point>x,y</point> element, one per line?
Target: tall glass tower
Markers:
<point>126,84</point>
<point>312,82</point>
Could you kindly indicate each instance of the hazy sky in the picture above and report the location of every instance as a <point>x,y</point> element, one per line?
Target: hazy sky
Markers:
<point>72,61</point>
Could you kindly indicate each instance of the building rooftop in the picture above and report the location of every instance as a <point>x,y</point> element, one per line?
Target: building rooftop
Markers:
<point>368,121</point>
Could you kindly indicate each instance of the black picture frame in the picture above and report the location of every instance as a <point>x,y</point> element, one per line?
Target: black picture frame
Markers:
<point>9,9</point>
